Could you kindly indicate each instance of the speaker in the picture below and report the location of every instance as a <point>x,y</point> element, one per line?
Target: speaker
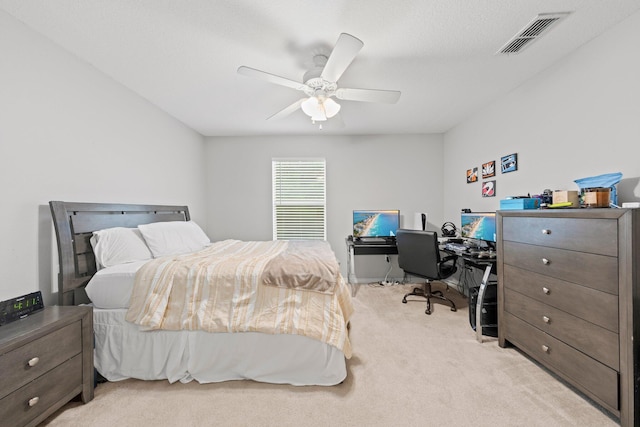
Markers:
<point>420,221</point>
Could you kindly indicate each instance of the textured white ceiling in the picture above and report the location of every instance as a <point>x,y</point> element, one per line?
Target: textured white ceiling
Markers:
<point>182,55</point>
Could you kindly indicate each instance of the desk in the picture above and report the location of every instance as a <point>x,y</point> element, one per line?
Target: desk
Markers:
<point>358,248</point>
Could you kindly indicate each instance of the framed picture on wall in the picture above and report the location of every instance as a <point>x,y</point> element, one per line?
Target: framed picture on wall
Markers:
<point>509,163</point>
<point>489,169</point>
<point>489,189</point>
<point>472,175</point>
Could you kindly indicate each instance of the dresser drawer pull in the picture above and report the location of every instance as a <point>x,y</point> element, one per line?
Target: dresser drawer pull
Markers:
<point>33,361</point>
<point>546,261</point>
<point>34,401</point>
<point>546,319</point>
<point>546,290</point>
<point>545,348</point>
<point>546,231</point>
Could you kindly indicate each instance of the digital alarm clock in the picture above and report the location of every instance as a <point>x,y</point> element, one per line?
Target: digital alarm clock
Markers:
<point>20,307</point>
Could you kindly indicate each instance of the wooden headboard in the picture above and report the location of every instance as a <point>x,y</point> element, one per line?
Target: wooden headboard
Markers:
<point>74,224</point>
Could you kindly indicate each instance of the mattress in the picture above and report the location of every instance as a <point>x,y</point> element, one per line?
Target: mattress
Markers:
<point>124,351</point>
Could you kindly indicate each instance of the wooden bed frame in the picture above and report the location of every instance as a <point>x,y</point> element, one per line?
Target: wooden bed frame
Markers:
<point>74,224</point>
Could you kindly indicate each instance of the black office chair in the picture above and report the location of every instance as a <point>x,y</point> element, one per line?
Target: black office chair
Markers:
<point>419,255</point>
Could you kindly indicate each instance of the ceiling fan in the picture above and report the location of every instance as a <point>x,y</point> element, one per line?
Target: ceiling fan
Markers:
<point>320,83</point>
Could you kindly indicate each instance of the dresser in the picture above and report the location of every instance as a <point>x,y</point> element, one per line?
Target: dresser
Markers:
<point>46,360</point>
<point>567,282</point>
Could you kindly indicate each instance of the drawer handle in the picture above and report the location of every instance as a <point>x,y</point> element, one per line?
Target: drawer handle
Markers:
<point>33,361</point>
<point>545,348</point>
<point>546,319</point>
<point>546,231</point>
<point>546,261</point>
<point>34,401</point>
<point>546,290</point>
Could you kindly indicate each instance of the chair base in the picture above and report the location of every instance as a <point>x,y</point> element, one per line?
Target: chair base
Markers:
<point>427,293</point>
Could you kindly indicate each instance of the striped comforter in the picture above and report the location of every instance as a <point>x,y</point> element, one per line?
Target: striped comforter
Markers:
<point>224,288</point>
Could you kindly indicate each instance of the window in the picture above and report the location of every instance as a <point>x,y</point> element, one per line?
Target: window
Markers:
<point>298,199</point>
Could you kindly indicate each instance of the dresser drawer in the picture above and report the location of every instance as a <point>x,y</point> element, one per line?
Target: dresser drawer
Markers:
<point>587,269</point>
<point>590,376</point>
<point>593,340</point>
<point>45,353</point>
<point>597,307</point>
<point>598,236</point>
<point>61,383</point>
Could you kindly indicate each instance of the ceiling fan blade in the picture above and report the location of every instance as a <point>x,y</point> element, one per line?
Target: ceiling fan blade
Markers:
<point>271,78</point>
<point>345,50</point>
<point>368,95</point>
<point>288,110</point>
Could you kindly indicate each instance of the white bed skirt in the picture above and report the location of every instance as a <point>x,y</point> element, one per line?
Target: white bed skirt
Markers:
<point>123,351</point>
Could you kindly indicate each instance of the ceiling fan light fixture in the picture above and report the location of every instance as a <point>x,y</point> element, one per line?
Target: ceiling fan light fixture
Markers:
<point>313,108</point>
<point>331,107</point>
<point>320,109</point>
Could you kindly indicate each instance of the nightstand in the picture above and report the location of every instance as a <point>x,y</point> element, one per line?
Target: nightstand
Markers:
<point>46,360</point>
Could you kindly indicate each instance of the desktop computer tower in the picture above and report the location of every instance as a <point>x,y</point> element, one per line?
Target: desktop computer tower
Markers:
<point>489,316</point>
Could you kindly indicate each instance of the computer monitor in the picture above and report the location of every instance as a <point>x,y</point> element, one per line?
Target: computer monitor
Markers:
<point>478,226</point>
<point>375,223</point>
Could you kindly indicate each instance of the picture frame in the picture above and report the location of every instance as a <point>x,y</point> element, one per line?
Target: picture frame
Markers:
<point>489,169</point>
<point>472,175</point>
<point>489,188</point>
<point>509,163</point>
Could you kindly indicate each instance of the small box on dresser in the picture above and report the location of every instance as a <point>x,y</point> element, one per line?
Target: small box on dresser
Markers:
<point>46,359</point>
<point>567,283</point>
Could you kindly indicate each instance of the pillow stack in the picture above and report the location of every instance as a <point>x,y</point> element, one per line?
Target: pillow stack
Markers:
<point>120,245</point>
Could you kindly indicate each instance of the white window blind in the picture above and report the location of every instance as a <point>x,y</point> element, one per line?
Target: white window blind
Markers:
<point>299,194</point>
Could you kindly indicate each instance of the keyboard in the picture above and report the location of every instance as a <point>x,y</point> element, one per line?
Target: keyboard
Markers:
<point>456,247</point>
<point>373,241</point>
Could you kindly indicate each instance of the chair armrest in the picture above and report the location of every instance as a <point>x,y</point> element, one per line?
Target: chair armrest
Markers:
<point>449,258</point>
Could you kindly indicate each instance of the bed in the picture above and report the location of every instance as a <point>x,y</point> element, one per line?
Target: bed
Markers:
<point>211,312</point>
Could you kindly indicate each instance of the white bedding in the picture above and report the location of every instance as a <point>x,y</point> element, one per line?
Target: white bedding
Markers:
<point>111,287</point>
<point>123,351</point>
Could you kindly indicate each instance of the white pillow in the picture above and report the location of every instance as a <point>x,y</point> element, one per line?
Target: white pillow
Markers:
<point>111,287</point>
<point>174,237</point>
<point>119,245</point>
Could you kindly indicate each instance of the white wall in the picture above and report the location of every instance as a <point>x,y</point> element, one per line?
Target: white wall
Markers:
<point>363,172</point>
<point>578,118</point>
<point>68,132</point>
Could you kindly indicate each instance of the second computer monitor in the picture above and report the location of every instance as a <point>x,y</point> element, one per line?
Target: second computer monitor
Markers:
<point>478,226</point>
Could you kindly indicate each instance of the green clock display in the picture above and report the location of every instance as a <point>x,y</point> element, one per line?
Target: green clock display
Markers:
<point>20,307</point>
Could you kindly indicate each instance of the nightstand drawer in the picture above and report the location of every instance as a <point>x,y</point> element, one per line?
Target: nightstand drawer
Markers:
<point>598,236</point>
<point>587,269</point>
<point>584,336</point>
<point>44,354</point>
<point>28,402</point>
<point>589,375</point>
<point>589,304</point>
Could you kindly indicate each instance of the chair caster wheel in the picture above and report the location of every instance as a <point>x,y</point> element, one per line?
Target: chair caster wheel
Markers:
<point>454,309</point>
<point>404,300</point>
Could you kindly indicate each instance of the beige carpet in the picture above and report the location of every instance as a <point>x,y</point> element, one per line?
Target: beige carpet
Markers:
<point>408,369</point>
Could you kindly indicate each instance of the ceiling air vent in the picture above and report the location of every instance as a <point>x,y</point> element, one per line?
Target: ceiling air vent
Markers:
<point>532,31</point>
